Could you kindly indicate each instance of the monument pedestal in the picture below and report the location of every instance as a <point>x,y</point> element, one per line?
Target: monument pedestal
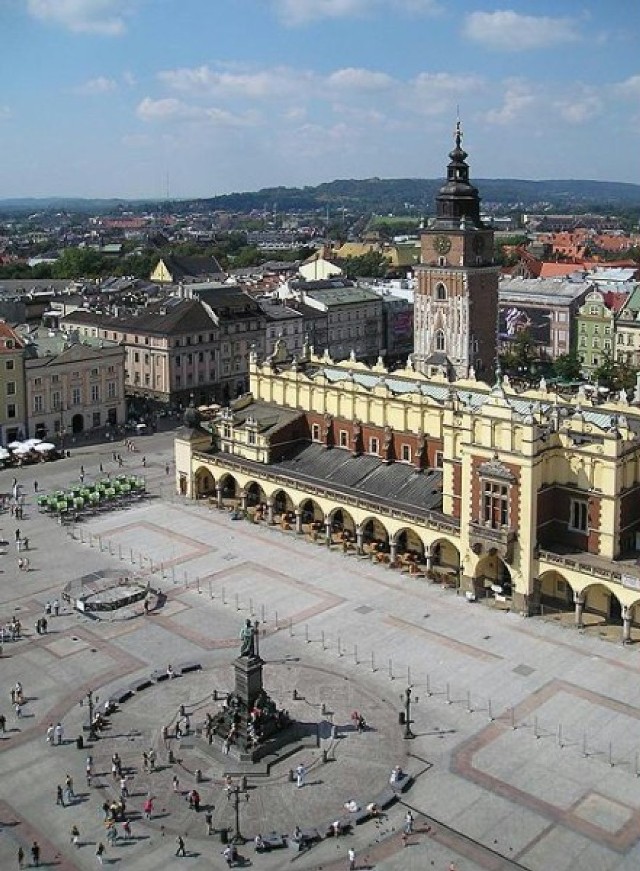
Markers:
<point>248,679</point>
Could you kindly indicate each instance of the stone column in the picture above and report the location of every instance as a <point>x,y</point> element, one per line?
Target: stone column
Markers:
<point>327,530</point>
<point>428,558</point>
<point>359,540</point>
<point>298,521</point>
<point>627,613</point>
<point>393,548</point>
<point>219,495</point>
<point>270,519</point>
<point>243,500</point>
<point>578,600</point>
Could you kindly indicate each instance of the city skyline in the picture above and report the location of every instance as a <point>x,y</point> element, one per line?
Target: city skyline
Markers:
<point>157,98</point>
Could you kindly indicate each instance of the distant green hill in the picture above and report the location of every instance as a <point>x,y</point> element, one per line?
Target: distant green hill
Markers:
<point>370,195</point>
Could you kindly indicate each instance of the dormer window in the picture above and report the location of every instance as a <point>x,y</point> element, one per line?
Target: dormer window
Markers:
<point>226,431</point>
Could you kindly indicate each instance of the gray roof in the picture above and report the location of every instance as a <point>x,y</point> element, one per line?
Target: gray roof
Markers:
<point>269,418</point>
<point>367,475</point>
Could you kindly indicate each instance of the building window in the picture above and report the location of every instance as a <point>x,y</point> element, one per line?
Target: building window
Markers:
<point>344,438</point>
<point>55,400</point>
<point>251,437</point>
<point>373,446</point>
<point>226,431</point>
<point>11,410</point>
<point>94,372</point>
<point>11,388</point>
<point>438,459</point>
<point>55,379</point>
<point>441,291</point>
<point>9,364</point>
<point>96,419</point>
<point>495,504</point>
<point>405,453</point>
<point>579,519</point>
<point>95,393</point>
<point>315,432</point>
<point>111,389</point>
<point>37,382</point>
<point>38,404</point>
<point>76,396</point>
<point>440,342</point>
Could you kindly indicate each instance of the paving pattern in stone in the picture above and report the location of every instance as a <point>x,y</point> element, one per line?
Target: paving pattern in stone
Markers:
<point>526,749</point>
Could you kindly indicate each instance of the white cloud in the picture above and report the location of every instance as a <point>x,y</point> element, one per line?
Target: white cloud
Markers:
<point>507,30</point>
<point>519,98</point>
<point>356,79</point>
<point>97,86</point>
<point>103,17</point>
<point>580,107</point>
<point>297,12</point>
<point>435,93</point>
<point>268,83</point>
<point>170,109</point>
<point>629,87</point>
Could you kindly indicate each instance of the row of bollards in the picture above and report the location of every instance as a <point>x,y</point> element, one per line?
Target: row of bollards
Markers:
<point>508,716</point>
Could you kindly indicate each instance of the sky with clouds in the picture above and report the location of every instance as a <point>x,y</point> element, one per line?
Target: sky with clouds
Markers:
<point>140,98</point>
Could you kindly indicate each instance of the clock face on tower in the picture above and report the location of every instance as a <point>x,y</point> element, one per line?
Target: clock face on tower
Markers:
<point>442,244</point>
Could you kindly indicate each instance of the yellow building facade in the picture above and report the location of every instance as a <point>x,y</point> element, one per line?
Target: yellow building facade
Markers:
<point>525,497</point>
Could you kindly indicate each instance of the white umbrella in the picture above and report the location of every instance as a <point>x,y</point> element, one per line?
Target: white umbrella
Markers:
<point>13,445</point>
<point>4,453</point>
<point>32,442</point>
<point>22,449</point>
<point>43,447</point>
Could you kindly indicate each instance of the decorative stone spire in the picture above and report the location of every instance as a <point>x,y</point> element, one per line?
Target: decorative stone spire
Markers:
<point>458,201</point>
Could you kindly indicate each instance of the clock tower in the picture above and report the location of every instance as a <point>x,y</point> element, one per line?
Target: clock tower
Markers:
<point>456,300</point>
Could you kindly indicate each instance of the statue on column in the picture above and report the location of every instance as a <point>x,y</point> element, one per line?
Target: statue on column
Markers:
<point>247,639</point>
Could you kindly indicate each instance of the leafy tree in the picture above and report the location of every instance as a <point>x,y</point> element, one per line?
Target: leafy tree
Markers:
<point>81,263</point>
<point>615,376</point>
<point>373,264</point>
<point>567,367</point>
<point>521,354</point>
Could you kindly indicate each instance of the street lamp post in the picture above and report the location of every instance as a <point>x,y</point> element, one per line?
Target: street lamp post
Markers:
<point>90,702</point>
<point>236,794</point>
<point>407,714</point>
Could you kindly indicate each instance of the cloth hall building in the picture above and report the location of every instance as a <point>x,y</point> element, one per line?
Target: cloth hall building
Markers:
<point>528,497</point>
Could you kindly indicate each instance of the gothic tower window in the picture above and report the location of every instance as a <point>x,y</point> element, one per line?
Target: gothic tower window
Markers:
<point>441,291</point>
<point>440,341</point>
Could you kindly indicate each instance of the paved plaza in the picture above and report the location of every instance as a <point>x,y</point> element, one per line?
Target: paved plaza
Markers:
<point>526,747</point>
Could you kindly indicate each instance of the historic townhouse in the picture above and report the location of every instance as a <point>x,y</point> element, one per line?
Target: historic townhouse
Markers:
<point>530,497</point>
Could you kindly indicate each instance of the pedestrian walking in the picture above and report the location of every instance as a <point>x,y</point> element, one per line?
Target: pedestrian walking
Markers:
<point>166,468</point>
<point>75,836</point>
<point>35,486</point>
<point>301,773</point>
<point>147,808</point>
<point>50,733</point>
<point>176,783</point>
<point>351,856</point>
<point>180,842</point>
<point>35,854</point>
<point>144,462</point>
<point>56,608</point>
<point>100,851</point>
<point>126,829</point>
<point>408,823</point>
<point>208,821</point>
<point>20,857</point>
<point>3,723</point>
<point>18,710</point>
<point>123,788</point>
<point>59,795</point>
<point>59,733</point>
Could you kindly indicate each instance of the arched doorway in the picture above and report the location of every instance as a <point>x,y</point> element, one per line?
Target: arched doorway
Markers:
<point>342,521</point>
<point>311,512</point>
<point>282,503</point>
<point>77,424</point>
<point>374,533</point>
<point>204,482</point>
<point>255,494</point>
<point>229,487</point>
<point>556,594</point>
<point>492,577</point>
<point>602,602</point>
<point>409,544</point>
<point>445,562</point>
